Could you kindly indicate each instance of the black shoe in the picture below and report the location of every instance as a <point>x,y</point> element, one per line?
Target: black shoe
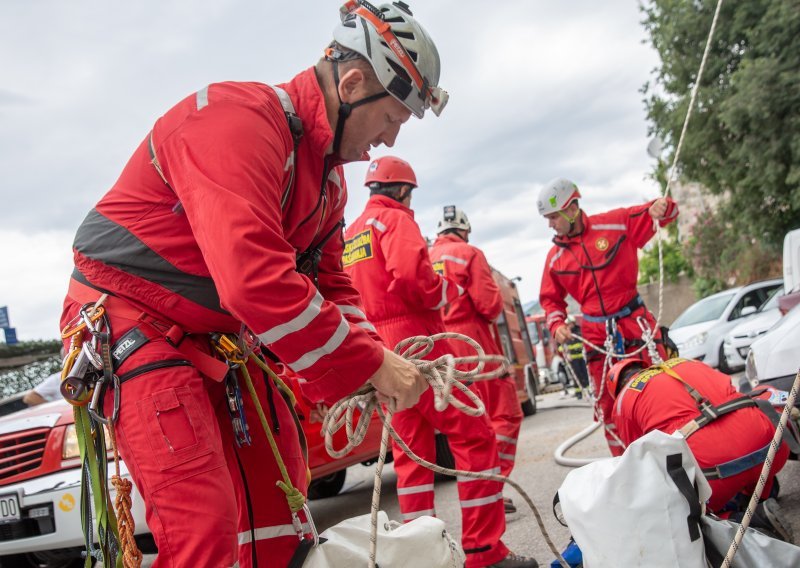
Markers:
<point>770,516</point>
<point>509,505</point>
<point>516,561</point>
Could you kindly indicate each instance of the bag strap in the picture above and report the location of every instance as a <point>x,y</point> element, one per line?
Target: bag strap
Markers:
<point>687,489</point>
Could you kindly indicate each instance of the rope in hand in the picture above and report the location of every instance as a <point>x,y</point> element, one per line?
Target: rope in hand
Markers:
<point>764,476</point>
<point>443,377</point>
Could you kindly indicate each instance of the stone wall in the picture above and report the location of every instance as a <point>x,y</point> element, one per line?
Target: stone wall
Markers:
<point>677,297</point>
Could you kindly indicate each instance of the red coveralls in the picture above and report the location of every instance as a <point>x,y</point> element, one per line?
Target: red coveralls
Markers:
<point>211,251</point>
<point>656,401</point>
<point>473,314</point>
<point>387,258</point>
<point>599,268</point>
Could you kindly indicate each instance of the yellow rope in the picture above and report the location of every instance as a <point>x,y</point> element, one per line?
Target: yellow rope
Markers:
<point>131,555</point>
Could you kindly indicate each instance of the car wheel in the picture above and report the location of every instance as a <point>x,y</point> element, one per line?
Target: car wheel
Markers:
<point>328,486</point>
<point>722,365</point>
<point>444,457</point>
<point>529,406</point>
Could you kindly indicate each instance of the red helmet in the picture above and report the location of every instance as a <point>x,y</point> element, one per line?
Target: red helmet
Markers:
<point>390,170</point>
<point>616,374</point>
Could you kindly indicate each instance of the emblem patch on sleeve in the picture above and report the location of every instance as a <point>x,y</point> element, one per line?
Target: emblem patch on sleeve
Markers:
<point>601,243</point>
<point>438,267</point>
<point>358,248</point>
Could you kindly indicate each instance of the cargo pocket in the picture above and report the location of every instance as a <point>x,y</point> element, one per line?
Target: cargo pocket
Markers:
<point>177,431</point>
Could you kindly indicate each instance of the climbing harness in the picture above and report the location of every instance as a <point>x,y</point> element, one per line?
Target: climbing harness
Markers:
<point>442,377</point>
<point>86,374</point>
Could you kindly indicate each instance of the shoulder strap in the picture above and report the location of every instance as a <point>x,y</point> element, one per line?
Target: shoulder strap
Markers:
<point>296,129</point>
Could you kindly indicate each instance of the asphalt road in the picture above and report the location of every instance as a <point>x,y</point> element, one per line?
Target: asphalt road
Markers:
<point>535,471</point>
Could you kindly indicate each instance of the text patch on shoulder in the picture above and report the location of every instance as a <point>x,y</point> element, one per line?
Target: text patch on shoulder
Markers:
<point>358,248</point>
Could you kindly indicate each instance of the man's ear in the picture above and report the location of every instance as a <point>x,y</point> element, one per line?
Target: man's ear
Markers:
<point>351,85</point>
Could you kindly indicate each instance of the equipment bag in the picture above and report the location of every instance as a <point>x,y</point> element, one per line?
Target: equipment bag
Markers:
<point>756,549</point>
<point>421,543</point>
<point>639,509</point>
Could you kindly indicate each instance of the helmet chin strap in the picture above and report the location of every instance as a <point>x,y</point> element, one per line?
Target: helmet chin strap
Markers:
<point>570,220</point>
<point>346,108</point>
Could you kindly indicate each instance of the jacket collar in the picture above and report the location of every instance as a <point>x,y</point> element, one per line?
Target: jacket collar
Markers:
<point>381,201</point>
<point>451,238</point>
<point>309,104</point>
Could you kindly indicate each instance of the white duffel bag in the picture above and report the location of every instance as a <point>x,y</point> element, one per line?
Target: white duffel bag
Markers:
<point>639,509</point>
<point>422,543</point>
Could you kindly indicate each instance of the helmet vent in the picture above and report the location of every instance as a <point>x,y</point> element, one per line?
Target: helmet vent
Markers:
<point>395,20</point>
<point>399,71</point>
<point>405,35</point>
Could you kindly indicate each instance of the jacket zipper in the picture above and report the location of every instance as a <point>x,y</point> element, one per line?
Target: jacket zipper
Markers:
<point>147,367</point>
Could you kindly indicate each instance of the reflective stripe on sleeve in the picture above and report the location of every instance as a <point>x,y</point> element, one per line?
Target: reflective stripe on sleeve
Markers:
<point>555,315</point>
<point>508,457</point>
<point>296,324</point>
<point>367,325</point>
<point>454,259</point>
<point>202,98</point>
<point>275,531</point>
<point>506,439</point>
<point>609,227</point>
<point>443,303</point>
<point>417,514</point>
<point>330,346</point>
<point>480,502</point>
<point>351,311</point>
<point>555,257</point>
<point>377,224</point>
<point>415,489</point>
<point>465,479</point>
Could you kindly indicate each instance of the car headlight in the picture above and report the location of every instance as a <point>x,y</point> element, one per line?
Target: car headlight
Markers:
<point>694,341</point>
<point>70,448</point>
<point>750,368</point>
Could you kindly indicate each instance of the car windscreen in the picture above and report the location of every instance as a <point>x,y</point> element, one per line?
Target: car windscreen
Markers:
<point>772,302</point>
<point>709,309</point>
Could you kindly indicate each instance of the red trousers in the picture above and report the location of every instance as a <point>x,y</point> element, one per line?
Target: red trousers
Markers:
<point>472,442</point>
<point>208,502</point>
<point>596,333</point>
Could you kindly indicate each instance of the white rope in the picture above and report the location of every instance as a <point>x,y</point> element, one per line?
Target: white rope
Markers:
<point>442,376</point>
<point>765,471</point>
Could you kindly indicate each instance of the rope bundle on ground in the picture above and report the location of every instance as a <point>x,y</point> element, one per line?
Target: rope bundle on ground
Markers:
<point>442,376</point>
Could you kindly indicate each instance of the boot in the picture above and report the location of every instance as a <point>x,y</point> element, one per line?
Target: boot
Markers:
<point>516,561</point>
<point>509,506</point>
<point>769,515</point>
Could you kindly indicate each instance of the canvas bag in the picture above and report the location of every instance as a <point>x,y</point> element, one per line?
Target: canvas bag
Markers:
<point>756,549</point>
<point>421,543</point>
<point>639,509</point>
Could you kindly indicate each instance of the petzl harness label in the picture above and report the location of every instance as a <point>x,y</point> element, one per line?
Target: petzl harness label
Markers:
<point>358,248</point>
<point>126,345</point>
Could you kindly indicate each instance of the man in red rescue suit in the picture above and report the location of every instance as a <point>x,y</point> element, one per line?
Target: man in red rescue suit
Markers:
<point>387,259</point>
<point>473,314</point>
<point>228,217</point>
<point>684,395</point>
<point>594,260</point>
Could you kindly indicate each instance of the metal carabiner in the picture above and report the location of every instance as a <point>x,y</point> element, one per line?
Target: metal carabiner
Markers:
<point>99,389</point>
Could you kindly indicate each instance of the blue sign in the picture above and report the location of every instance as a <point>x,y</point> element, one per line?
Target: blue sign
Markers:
<point>11,335</point>
<point>4,321</point>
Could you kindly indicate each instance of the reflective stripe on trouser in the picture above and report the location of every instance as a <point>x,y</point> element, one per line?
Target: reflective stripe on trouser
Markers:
<point>505,415</point>
<point>175,436</point>
<point>596,334</point>
<point>473,446</point>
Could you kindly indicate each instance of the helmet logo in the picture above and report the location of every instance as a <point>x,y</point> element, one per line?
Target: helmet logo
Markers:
<point>553,201</point>
<point>601,244</point>
<point>449,212</point>
<point>373,166</point>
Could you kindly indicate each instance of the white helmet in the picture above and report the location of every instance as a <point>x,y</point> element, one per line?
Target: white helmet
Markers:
<point>401,52</point>
<point>453,218</point>
<point>556,195</point>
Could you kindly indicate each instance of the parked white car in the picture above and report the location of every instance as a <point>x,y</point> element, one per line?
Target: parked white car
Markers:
<point>737,342</point>
<point>701,328</point>
<point>774,358</point>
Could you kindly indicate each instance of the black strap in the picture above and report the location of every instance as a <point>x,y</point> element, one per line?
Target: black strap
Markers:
<point>302,551</point>
<point>556,501</point>
<point>684,485</point>
<point>308,260</point>
<point>788,434</point>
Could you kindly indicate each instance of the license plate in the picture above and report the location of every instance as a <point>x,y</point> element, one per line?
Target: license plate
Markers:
<point>9,508</point>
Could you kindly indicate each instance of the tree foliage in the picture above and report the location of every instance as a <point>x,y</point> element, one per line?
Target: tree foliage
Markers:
<point>743,138</point>
<point>674,261</point>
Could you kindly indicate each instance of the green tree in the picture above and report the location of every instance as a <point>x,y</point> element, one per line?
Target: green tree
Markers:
<point>674,261</point>
<point>744,136</point>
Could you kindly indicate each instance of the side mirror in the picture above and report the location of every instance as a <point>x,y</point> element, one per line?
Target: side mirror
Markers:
<point>748,310</point>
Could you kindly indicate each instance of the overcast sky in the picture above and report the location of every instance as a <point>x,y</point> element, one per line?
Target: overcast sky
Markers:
<point>538,89</point>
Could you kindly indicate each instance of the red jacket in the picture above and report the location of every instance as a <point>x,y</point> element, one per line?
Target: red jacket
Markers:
<point>657,401</point>
<point>473,313</point>
<point>598,267</point>
<point>387,258</point>
<point>215,248</point>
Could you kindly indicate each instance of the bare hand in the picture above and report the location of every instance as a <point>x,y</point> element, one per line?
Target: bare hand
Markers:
<point>563,334</point>
<point>658,209</point>
<point>399,380</point>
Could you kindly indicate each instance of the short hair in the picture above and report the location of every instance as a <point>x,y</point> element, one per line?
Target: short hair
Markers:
<point>392,190</point>
<point>349,59</point>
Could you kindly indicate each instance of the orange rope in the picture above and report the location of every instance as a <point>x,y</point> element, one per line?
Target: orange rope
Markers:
<point>131,555</point>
